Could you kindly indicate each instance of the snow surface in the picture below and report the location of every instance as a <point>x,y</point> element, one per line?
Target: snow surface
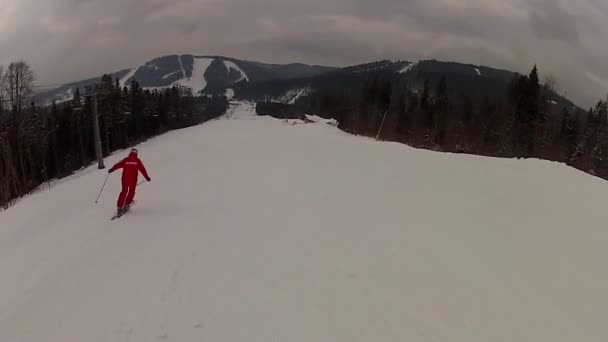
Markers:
<point>253,230</point>
<point>408,68</point>
<point>478,71</point>
<point>231,65</point>
<point>318,119</point>
<point>241,111</point>
<point>197,82</point>
<point>124,81</point>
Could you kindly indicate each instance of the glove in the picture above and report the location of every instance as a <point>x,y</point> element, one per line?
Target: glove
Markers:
<point>149,179</point>
<point>110,171</point>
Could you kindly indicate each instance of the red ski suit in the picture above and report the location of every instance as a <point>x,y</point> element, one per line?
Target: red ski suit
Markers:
<point>131,167</point>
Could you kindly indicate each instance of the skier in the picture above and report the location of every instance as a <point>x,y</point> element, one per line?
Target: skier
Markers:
<point>131,166</point>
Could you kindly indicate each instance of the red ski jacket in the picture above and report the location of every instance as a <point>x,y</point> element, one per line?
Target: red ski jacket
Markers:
<point>132,166</point>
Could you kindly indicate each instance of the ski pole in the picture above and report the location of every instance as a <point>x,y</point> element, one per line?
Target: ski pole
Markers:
<point>103,187</point>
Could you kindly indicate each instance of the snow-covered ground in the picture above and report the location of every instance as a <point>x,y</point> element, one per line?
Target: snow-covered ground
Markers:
<point>318,119</point>
<point>239,110</point>
<point>253,230</point>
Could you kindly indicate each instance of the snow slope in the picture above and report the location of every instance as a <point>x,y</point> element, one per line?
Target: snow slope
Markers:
<point>253,230</point>
<point>232,66</point>
<point>197,82</point>
<point>125,80</point>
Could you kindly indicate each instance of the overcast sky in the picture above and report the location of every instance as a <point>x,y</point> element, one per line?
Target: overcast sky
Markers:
<point>68,40</point>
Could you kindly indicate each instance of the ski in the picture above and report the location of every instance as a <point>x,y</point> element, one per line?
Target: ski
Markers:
<point>117,215</point>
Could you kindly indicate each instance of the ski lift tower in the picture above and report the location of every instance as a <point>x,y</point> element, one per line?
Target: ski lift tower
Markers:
<point>91,92</point>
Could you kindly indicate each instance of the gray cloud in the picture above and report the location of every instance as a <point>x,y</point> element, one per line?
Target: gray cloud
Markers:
<point>67,40</point>
<point>551,21</point>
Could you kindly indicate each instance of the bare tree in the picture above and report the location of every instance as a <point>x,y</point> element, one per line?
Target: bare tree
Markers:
<point>19,82</point>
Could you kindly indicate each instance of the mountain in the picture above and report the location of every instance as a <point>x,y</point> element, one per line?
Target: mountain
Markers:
<point>463,79</point>
<point>299,232</point>
<point>202,74</point>
<point>66,92</point>
<point>286,83</point>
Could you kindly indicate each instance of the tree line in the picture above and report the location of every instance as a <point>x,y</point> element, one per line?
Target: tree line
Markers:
<point>39,143</point>
<point>522,123</point>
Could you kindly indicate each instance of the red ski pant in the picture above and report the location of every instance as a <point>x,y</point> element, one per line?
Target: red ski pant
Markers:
<point>127,194</point>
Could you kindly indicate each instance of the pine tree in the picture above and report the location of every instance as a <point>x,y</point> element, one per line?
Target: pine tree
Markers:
<point>567,135</point>
<point>424,99</point>
<point>77,101</point>
<point>533,97</point>
<point>440,111</point>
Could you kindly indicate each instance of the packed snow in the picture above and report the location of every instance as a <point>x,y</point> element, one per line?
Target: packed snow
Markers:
<point>125,80</point>
<point>408,68</point>
<point>232,66</point>
<point>253,230</point>
<point>197,82</point>
<point>318,119</point>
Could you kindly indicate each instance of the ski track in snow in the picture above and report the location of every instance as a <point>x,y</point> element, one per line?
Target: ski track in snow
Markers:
<point>298,95</point>
<point>292,95</point>
<point>123,81</point>
<point>231,65</point>
<point>171,74</point>
<point>408,68</point>
<point>181,66</point>
<point>253,230</point>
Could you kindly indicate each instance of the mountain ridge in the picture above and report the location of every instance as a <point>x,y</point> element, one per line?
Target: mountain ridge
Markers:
<point>216,74</point>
